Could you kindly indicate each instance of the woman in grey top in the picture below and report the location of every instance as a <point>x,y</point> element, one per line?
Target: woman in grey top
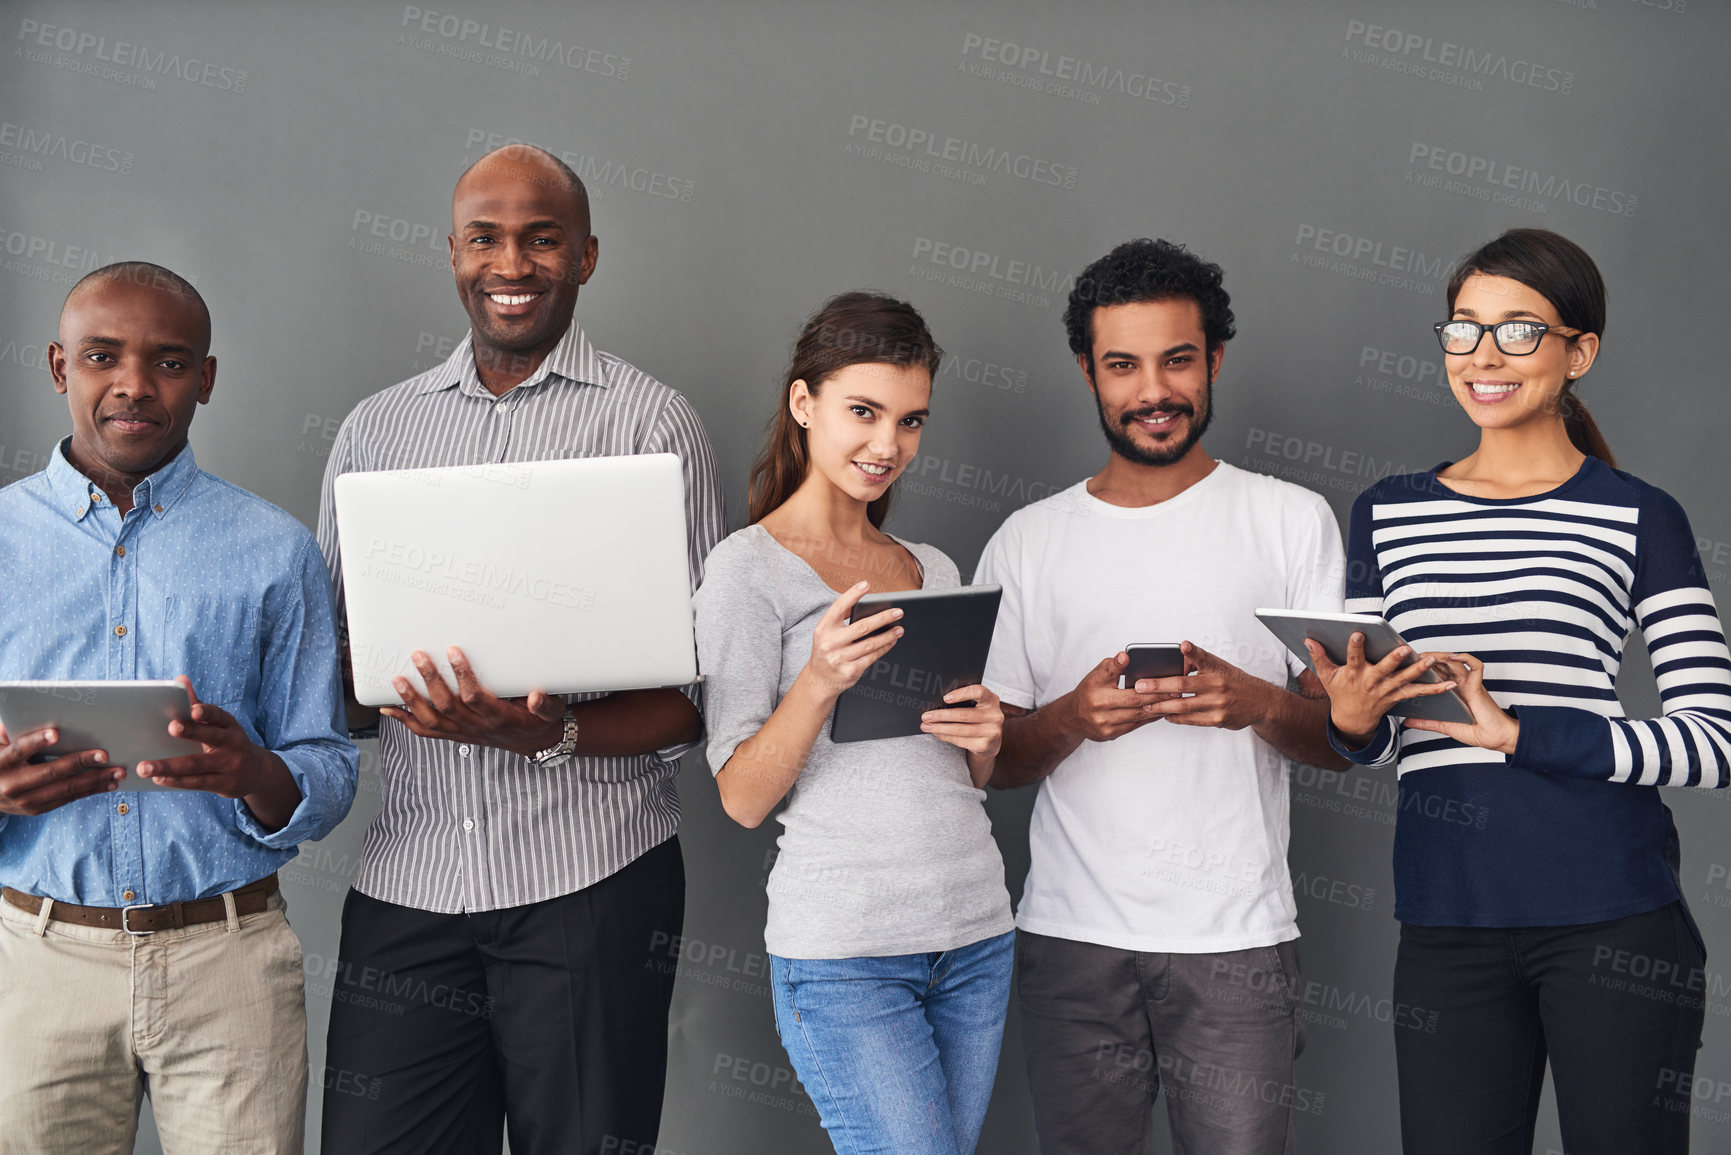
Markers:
<point>889,925</point>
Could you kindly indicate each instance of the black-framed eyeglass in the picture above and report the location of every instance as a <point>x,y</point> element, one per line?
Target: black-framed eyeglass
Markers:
<point>1514,338</point>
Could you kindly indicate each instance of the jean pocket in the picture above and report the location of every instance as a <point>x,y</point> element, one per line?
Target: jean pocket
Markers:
<point>1281,965</point>
<point>783,987</point>
<point>1286,956</point>
<point>1286,953</point>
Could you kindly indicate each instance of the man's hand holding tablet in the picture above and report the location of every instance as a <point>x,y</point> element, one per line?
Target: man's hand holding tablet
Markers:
<point>32,788</point>
<point>221,759</point>
<point>230,763</point>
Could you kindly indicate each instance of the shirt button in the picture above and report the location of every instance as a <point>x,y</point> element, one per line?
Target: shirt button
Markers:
<point>463,750</point>
<point>157,508</point>
<point>121,550</point>
<point>120,631</point>
<point>468,824</point>
<point>128,895</point>
<point>97,498</point>
<point>123,808</point>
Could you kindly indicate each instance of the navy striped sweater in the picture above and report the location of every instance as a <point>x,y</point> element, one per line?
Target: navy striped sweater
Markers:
<point>1545,591</point>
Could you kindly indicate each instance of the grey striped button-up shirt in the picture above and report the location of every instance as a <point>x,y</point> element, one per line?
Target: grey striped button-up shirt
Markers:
<point>470,828</point>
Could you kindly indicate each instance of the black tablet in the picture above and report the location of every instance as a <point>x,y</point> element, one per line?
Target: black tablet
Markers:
<point>946,635</point>
<point>1331,632</point>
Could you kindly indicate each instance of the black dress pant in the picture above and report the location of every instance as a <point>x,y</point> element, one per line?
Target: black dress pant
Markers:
<point>549,1020</point>
<point>1615,1007</point>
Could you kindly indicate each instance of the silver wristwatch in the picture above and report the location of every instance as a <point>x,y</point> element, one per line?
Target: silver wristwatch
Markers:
<point>564,748</point>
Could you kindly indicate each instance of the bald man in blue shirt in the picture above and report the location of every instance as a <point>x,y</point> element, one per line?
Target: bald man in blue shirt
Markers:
<point>143,944</point>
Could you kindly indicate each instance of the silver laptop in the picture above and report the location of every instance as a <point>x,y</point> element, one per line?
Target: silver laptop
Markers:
<point>561,576</point>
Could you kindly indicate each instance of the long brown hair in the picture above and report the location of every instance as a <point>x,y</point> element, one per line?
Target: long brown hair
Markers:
<point>1560,270</point>
<point>856,328</point>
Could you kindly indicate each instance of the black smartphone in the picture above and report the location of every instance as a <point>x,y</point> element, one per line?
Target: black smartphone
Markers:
<point>1151,660</point>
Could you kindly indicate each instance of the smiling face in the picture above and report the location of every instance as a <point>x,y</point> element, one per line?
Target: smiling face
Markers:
<point>863,425</point>
<point>1502,391</point>
<point>1152,378</point>
<point>520,248</point>
<point>132,360</point>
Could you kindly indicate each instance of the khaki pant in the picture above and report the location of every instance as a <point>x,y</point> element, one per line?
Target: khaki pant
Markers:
<point>209,1021</point>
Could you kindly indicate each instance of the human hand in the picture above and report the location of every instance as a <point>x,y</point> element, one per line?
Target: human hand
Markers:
<point>1492,727</point>
<point>1099,711</point>
<point>978,729</point>
<point>31,788</point>
<point>1360,692</point>
<point>841,652</point>
<point>1211,692</point>
<point>472,713</point>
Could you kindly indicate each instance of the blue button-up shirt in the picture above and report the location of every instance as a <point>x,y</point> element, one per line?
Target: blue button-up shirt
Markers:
<point>199,578</point>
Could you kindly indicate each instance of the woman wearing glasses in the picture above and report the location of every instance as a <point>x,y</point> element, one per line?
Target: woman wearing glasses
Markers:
<point>889,926</point>
<point>1535,861</point>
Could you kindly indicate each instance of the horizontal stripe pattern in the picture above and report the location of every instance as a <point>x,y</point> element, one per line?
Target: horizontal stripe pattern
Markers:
<point>472,828</point>
<point>1569,828</point>
<point>1544,594</point>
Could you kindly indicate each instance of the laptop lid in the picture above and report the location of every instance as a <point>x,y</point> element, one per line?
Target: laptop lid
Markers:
<point>562,576</point>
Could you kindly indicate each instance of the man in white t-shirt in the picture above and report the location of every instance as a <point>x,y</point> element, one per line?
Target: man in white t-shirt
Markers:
<point>1157,923</point>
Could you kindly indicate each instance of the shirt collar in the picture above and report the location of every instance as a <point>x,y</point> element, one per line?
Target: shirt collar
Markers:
<point>157,493</point>
<point>573,359</point>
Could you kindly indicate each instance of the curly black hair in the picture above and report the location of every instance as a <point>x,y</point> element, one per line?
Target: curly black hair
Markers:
<point>1145,270</point>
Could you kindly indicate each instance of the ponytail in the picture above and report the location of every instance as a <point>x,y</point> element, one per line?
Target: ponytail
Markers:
<point>1582,429</point>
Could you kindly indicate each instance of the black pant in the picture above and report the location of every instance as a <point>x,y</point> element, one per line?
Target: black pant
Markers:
<point>550,1018</point>
<point>1615,1006</point>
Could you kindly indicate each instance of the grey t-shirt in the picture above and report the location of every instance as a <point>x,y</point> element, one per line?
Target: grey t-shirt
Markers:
<point>885,848</point>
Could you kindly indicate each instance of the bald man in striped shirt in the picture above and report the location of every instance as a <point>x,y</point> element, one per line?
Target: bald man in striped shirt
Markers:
<point>496,951</point>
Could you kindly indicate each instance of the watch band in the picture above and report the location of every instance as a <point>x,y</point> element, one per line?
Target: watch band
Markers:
<point>562,749</point>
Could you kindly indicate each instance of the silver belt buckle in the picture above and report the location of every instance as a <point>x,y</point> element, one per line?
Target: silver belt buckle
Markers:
<point>126,910</point>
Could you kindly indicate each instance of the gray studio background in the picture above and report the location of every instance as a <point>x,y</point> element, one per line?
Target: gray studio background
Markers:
<point>748,159</point>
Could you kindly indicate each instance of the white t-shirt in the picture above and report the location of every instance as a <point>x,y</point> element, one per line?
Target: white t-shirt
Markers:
<point>1171,838</point>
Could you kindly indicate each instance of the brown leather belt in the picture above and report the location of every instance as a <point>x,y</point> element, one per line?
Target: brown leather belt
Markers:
<point>144,918</point>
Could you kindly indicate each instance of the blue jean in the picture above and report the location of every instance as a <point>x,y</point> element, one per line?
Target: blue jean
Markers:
<point>899,1053</point>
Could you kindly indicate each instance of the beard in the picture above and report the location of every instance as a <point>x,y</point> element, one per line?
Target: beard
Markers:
<point>1119,438</point>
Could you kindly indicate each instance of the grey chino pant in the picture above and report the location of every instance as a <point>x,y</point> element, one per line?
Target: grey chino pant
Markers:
<point>1105,1029</point>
